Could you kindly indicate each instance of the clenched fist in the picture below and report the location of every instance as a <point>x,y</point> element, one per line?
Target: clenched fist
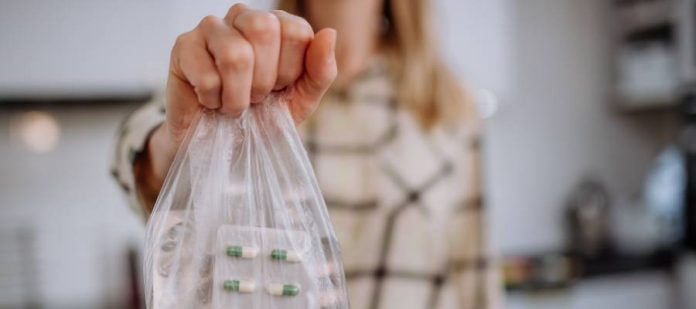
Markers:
<point>226,64</point>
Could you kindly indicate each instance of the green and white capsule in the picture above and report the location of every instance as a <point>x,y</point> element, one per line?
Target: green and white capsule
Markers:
<point>242,252</point>
<point>277,289</point>
<point>239,286</point>
<point>286,255</point>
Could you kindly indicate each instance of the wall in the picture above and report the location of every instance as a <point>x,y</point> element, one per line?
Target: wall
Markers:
<point>78,48</point>
<point>63,210</point>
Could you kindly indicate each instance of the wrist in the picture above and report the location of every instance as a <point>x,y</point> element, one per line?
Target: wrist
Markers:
<point>153,165</point>
<point>161,150</point>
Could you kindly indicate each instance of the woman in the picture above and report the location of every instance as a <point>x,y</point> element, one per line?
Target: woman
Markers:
<point>394,142</point>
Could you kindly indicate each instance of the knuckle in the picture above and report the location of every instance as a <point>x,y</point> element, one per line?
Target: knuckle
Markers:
<point>236,56</point>
<point>209,22</point>
<point>183,40</point>
<point>298,31</point>
<point>263,23</point>
<point>237,7</point>
<point>207,83</point>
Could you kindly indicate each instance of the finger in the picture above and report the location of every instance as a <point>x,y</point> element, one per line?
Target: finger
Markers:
<point>320,72</point>
<point>182,104</point>
<point>234,59</point>
<point>234,11</point>
<point>295,33</point>
<point>192,63</point>
<point>262,30</point>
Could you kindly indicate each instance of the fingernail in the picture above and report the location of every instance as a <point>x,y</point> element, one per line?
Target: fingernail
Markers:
<point>333,41</point>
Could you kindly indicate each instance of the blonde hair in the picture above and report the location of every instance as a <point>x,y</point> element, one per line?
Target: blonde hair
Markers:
<point>423,84</point>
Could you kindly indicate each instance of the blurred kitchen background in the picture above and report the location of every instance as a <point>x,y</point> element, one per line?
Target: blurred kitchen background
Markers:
<point>590,114</point>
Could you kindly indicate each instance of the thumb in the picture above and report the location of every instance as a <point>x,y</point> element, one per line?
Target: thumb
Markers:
<point>320,71</point>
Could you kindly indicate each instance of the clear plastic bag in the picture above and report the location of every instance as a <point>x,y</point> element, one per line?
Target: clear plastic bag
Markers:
<point>240,221</point>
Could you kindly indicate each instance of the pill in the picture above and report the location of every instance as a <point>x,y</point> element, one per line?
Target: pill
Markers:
<point>242,252</point>
<point>277,289</point>
<point>241,286</point>
<point>285,255</point>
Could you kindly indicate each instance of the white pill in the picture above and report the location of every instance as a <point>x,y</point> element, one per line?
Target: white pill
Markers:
<point>294,257</point>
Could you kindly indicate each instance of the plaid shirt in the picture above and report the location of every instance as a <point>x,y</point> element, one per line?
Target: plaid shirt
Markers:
<point>406,203</point>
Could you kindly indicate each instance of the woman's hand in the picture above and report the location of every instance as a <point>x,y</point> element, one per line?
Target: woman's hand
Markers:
<point>226,64</point>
